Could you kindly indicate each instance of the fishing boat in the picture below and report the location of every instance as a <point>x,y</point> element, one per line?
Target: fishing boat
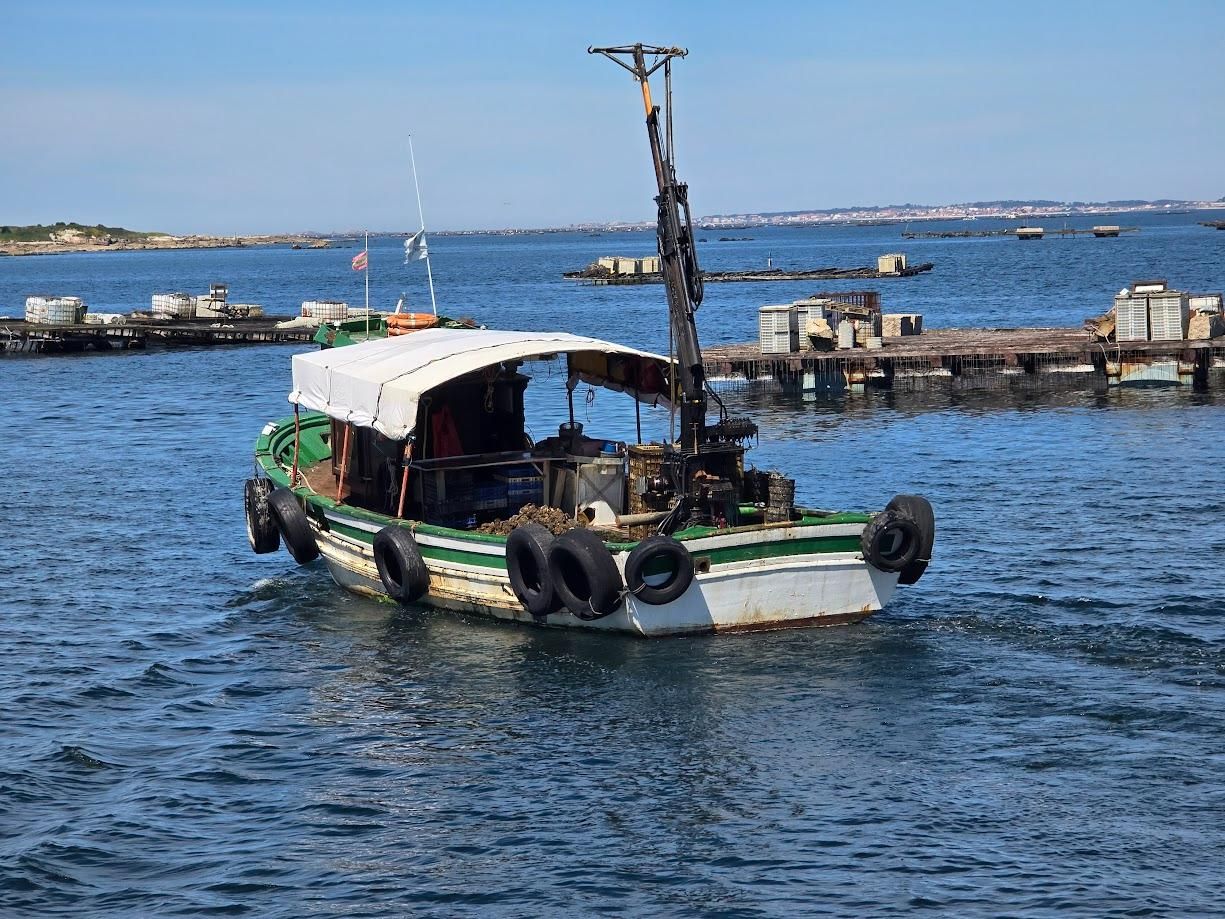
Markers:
<point>407,467</point>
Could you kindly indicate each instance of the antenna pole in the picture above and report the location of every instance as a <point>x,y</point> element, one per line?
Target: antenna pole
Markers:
<point>429,273</point>
<point>367,274</point>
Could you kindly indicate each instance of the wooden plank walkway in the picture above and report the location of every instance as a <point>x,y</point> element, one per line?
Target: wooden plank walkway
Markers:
<point>21,337</point>
<point>957,351</point>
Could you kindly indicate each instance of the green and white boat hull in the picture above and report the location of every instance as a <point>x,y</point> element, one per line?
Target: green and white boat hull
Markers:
<point>804,573</point>
<point>754,578</point>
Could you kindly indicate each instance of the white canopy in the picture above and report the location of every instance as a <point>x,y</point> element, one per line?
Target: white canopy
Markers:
<point>379,383</point>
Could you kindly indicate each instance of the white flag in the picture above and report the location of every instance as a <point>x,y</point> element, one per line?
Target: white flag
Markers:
<point>414,247</point>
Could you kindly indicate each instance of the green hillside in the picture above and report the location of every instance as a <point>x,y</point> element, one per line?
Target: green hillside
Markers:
<point>42,232</point>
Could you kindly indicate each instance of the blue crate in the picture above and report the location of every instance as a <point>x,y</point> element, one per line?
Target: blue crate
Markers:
<point>524,485</point>
<point>490,497</point>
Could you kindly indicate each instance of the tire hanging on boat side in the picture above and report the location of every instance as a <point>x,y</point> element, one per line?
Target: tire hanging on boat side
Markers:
<point>584,574</point>
<point>890,541</point>
<point>918,509</point>
<point>262,532</point>
<point>679,565</point>
<point>527,564</point>
<point>401,566</point>
<point>295,528</point>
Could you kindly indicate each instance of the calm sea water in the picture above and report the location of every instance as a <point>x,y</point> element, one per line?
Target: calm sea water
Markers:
<point>1037,728</point>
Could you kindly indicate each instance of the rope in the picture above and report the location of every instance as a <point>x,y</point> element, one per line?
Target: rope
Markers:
<point>491,375</point>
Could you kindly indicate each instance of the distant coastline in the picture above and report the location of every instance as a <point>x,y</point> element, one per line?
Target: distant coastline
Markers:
<point>876,215</point>
<point>62,238</point>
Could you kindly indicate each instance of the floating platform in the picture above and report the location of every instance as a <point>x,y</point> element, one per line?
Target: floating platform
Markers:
<point>953,234</point>
<point>1100,232</point>
<point>20,337</point>
<point>865,273</point>
<point>1061,356</point>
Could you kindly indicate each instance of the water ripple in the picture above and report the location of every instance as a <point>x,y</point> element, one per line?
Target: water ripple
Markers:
<point>1034,729</point>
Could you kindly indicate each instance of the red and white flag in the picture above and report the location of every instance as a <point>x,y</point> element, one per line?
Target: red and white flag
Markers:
<point>359,261</point>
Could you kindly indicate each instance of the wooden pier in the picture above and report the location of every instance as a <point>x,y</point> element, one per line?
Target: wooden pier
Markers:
<point>1060,356</point>
<point>20,337</point>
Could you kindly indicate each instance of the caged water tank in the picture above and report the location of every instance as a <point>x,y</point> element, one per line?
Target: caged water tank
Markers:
<point>174,306</point>
<point>46,310</point>
<point>325,310</point>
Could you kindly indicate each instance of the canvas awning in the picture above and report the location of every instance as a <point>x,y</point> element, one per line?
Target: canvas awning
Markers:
<point>378,384</point>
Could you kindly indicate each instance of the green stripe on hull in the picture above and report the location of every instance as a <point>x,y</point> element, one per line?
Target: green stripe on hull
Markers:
<point>727,555</point>
<point>811,545</point>
<point>431,553</point>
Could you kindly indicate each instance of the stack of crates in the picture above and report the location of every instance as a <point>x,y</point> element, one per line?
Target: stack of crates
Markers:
<point>1168,314</point>
<point>778,329</point>
<point>489,496</point>
<point>524,485</point>
<point>447,504</point>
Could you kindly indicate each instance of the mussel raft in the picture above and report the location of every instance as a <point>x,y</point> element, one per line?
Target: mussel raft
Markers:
<point>392,458</point>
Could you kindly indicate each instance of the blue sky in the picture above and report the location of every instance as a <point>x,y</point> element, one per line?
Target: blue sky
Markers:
<point>266,117</point>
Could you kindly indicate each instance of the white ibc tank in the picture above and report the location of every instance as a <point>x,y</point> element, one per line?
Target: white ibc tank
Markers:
<point>600,487</point>
<point>174,306</point>
<point>48,310</point>
<point>325,310</point>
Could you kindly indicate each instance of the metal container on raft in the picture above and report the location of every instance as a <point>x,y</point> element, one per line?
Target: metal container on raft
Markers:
<point>1167,316</point>
<point>1131,317</point>
<point>778,328</point>
<point>325,310</point>
<point>48,310</point>
<point>174,306</point>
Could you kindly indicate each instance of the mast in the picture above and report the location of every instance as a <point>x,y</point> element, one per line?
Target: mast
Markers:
<point>678,258</point>
<point>429,272</point>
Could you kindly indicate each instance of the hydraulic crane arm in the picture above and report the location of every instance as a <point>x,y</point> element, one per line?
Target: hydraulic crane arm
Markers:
<point>678,257</point>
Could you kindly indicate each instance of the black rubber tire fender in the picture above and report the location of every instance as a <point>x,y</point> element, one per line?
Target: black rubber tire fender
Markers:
<point>584,574</point>
<point>401,566</point>
<point>890,541</point>
<point>295,529</point>
<point>654,547</point>
<point>262,532</point>
<point>918,509</point>
<point>527,564</point>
